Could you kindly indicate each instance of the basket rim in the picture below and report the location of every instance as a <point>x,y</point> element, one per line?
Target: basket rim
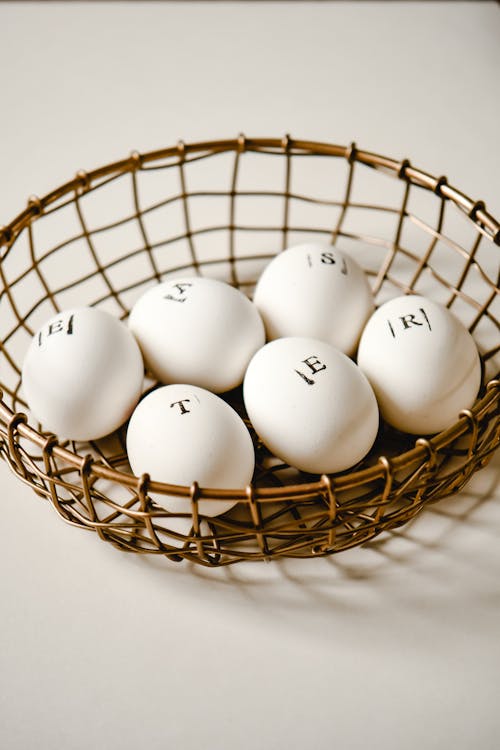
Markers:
<point>424,449</point>
<point>403,169</point>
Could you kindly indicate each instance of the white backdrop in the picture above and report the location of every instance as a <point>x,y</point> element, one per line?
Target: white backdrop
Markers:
<point>385,647</point>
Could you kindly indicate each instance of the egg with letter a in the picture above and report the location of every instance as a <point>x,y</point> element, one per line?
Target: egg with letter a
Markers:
<point>180,434</point>
<point>422,362</point>
<point>316,291</point>
<point>82,374</point>
<point>197,330</point>
<point>310,404</point>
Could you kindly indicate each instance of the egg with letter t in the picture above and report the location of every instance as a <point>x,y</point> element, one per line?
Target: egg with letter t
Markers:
<point>422,362</point>
<point>180,434</point>
<point>310,404</point>
<point>317,291</point>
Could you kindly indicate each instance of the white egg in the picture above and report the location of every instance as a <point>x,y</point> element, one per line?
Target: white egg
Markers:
<point>310,404</point>
<point>197,330</point>
<point>83,373</point>
<point>422,363</point>
<point>180,434</point>
<point>316,291</point>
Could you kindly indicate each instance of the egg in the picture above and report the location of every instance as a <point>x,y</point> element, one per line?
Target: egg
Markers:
<point>197,330</point>
<point>316,291</point>
<point>422,362</point>
<point>82,374</point>
<point>180,434</point>
<point>310,404</point>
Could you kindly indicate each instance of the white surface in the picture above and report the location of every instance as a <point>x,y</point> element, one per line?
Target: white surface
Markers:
<point>390,647</point>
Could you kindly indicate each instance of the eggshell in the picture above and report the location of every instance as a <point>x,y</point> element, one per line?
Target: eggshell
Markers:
<point>316,291</point>
<point>310,404</point>
<point>180,434</point>
<point>422,362</point>
<point>197,330</point>
<point>82,374</point>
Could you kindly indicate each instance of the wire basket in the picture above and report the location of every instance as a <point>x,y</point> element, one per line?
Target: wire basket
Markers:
<point>223,209</point>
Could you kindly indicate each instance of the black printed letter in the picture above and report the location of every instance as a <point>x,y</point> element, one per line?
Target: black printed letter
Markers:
<point>312,362</point>
<point>181,405</point>
<point>181,288</point>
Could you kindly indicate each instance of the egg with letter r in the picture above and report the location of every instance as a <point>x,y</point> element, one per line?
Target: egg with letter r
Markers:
<point>316,291</point>
<point>422,362</point>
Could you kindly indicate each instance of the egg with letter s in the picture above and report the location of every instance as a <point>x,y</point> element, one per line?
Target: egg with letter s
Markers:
<point>422,362</point>
<point>316,291</point>
<point>197,330</point>
<point>82,374</point>
<point>310,404</point>
<point>180,434</point>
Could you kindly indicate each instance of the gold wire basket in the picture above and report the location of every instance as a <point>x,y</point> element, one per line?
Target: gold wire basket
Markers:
<point>223,209</point>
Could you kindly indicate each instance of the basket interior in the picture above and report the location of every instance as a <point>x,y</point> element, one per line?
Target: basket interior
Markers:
<point>224,213</point>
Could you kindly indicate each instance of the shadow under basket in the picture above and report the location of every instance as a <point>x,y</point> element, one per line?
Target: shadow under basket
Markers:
<point>222,209</point>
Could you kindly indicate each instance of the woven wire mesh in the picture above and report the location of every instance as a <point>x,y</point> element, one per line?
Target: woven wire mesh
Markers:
<point>223,209</point>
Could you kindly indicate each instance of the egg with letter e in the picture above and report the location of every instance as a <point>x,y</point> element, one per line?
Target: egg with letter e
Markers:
<point>82,374</point>
<point>316,291</point>
<point>422,362</point>
<point>197,330</point>
<point>180,434</point>
<point>310,404</point>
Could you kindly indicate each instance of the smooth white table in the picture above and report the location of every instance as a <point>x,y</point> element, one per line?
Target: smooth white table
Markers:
<point>392,646</point>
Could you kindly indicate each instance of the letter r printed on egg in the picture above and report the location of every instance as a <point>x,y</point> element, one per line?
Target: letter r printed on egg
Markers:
<point>408,322</point>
